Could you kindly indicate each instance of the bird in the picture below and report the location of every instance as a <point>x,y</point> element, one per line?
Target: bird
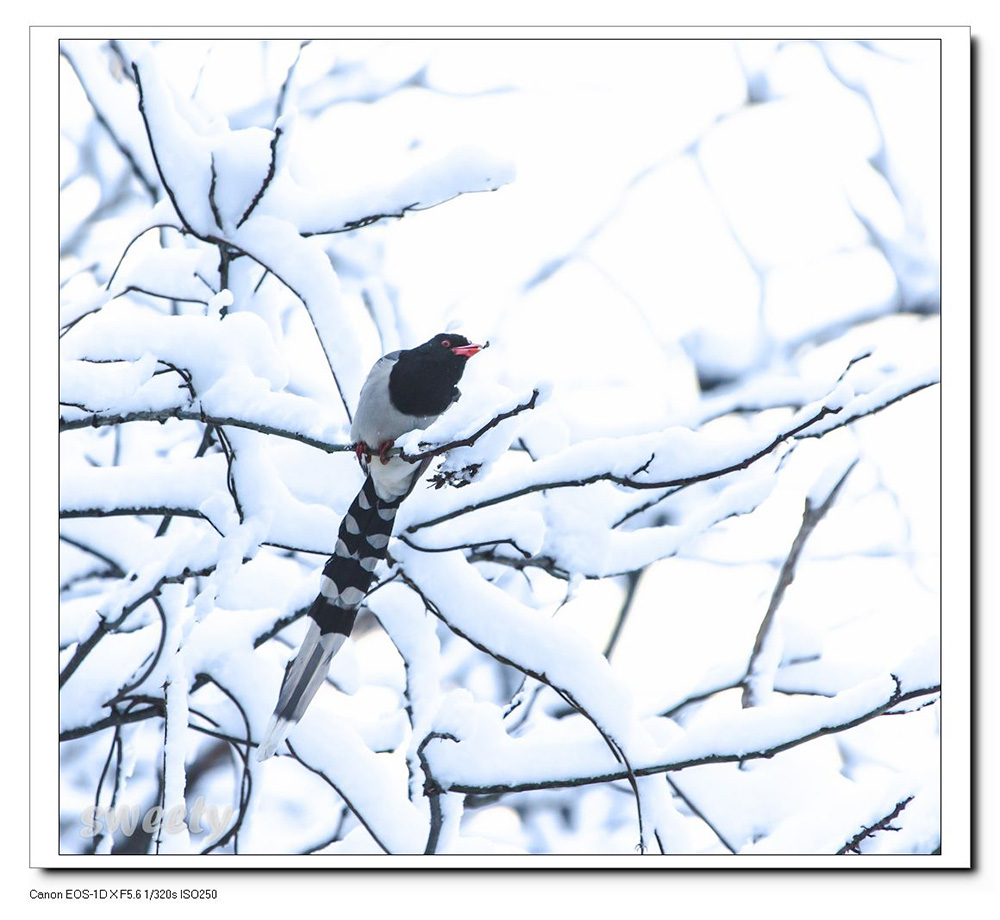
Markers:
<point>404,391</point>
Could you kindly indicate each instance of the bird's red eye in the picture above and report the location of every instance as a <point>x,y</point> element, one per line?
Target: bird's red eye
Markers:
<point>446,343</point>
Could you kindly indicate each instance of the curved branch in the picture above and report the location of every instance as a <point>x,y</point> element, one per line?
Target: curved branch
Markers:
<point>370,219</point>
<point>246,783</point>
<point>797,432</point>
<point>433,791</point>
<point>629,481</point>
<point>874,410</point>
<point>188,412</point>
<point>156,159</point>
<point>357,814</point>
<point>616,749</point>
<point>723,757</point>
<point>883,824</point>
<point>153,710</point>
<point>119,144</point>
<point>266,181</point>
<point>139,681</point>
<point>134,240</point>
<point>755,680</point>
<point>433,451</point>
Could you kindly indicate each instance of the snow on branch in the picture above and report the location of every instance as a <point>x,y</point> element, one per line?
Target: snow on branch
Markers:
<point>428,449</point>
<point>512,635</point>
<point>206,170</point>
<point>460,172</point>
<point>677,457</point>
<point>753,734</point>
<point>593,569</point>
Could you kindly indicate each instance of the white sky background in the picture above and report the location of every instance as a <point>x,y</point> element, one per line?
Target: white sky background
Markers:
<point>660,232</point>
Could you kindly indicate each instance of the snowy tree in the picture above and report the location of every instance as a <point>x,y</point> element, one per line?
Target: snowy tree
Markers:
<point>671,582</point>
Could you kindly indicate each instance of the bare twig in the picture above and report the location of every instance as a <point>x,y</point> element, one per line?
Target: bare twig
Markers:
<point>265,183</point>
<point>433,791</point>
<point>156,160</point>
<point>357,814</point>
<point>246,781</point>
<point>811,516</point>
<point>632,583</point>
<point>279,106</point>
<point>883,824</point>
<point>127,154</point>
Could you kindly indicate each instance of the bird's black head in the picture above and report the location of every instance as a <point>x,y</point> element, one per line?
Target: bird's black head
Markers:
<point>422,382</point>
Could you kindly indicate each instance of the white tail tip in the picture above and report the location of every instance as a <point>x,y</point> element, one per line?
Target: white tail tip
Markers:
<point>276,733</point>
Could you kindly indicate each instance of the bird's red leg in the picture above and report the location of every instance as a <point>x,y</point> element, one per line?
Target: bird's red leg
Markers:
<point>383,451</point>
<point>361,450</point>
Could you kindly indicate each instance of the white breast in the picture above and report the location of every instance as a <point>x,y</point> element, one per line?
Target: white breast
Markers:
<point>377,421</point>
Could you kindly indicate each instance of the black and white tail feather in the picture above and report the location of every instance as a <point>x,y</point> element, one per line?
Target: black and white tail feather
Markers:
<point>405,390</point>
<point>348,574</point>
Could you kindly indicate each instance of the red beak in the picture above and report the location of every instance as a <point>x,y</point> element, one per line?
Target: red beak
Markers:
<point>466,351</point>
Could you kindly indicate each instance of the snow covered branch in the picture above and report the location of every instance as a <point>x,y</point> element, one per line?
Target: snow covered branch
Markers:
<point>435,450</point>
<point>606,595</point>
<point>825,717</point>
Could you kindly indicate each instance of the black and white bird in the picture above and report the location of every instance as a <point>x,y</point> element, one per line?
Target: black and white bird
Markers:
<point>405,390</point>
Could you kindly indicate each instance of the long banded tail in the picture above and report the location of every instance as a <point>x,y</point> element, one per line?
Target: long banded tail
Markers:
<point>348,574</point>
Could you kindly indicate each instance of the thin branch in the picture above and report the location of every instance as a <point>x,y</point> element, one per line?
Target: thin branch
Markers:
<point>618,752</point>
<point>723,757</point>
<point>266,181</point>
<point>433,791</point>
<point>215,240</point>
<point>131,242</point>
<point>105,627</point>
<point>116,745</point>
<point>523,701</point>
<point>476,547</point>
<point>279,106</point>
<point>211,195</point>
<point>518,563</point>
<point>565,693</point>
<point>628,481</point>
<point>188,412</point>
<point>136,510</point>
<point>139,681</point>
<point>246,782</point>
<point>156,159</point>
<point>231,461</point>
<point>434,451</point>
<point>331,838</point>
<point>630,589</point>
<point>82,650</point>
<point>798,431</point>
<point>841,422</point>
<point>645,506</point>
<point>883,824</point>
<point>102,120</point>
<point>154,710</point>
<point>811,516</point>
<point>698,813</point>
<point>206,442</point>
<point>357,814</point>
